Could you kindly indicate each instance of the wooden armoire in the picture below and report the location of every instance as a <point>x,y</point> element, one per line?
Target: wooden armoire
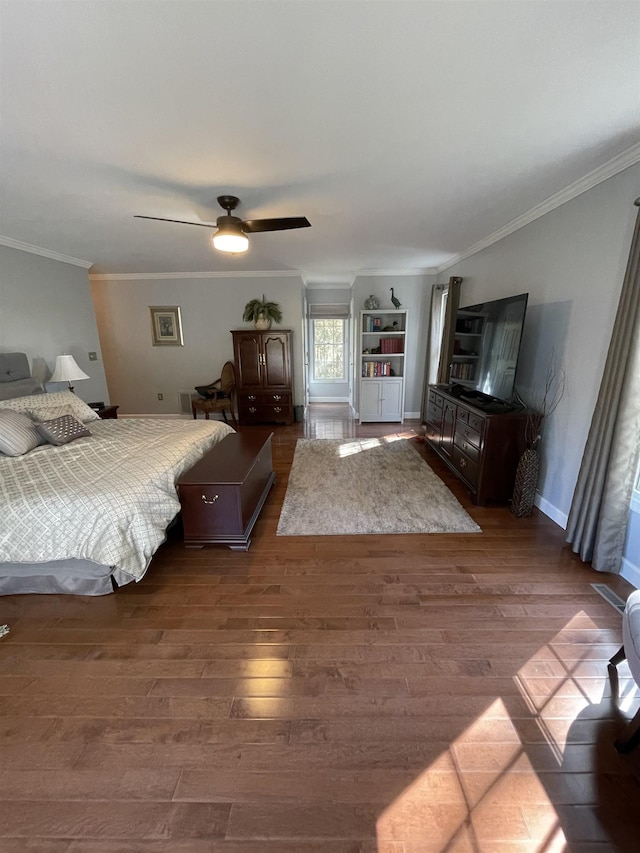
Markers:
<point>264,376</point>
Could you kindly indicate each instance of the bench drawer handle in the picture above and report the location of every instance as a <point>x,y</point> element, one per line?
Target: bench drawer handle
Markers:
<point>206,501</point>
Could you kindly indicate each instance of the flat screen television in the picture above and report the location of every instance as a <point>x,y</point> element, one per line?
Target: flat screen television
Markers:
<point>486,347</point>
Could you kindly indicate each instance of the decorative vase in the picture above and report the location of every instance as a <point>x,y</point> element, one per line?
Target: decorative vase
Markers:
<point>262,323</point>
<point>524,488</point>
<point>372,303</point>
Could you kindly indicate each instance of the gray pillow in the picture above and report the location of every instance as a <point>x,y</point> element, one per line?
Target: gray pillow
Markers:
<point>18,434</point>
<point>62,430</point>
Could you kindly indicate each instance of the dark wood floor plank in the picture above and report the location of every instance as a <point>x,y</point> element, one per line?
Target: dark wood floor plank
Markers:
<point>353,694</point>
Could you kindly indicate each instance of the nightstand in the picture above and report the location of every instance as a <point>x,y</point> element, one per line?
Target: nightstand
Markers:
<point>108,412</point>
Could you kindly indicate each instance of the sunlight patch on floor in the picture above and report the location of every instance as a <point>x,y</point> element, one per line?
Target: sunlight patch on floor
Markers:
<point>358,446</point>
<point>483,789</point>
<point>361,444</point>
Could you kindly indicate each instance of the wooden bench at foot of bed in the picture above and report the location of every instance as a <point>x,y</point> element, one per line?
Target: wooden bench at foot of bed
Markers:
<point>222,495</point>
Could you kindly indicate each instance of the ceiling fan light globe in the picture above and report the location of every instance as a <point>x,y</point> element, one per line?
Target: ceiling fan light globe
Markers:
<point>230,239</point>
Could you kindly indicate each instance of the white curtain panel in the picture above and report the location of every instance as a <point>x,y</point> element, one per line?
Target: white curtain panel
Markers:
<point>600,508</point>
<point>439,294</point>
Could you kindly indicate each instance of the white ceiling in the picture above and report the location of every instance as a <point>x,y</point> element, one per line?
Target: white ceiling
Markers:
<point>406,132</point>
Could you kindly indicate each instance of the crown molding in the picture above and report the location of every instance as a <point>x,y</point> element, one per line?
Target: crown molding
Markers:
<point>340,280</point>
<point>421,271</point>
<point>142,276</point>
<point>44,253</point>
<point>612,167</point>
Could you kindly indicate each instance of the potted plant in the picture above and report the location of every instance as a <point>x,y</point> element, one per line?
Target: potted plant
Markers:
<point>262,313</point>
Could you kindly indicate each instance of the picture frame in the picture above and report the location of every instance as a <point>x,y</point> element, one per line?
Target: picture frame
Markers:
<point>166,326</point>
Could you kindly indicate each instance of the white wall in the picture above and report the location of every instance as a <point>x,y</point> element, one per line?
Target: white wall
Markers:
<point>572,263</point>
<point>414,292</point>
<point>46,310</point>
<point>210,307</point>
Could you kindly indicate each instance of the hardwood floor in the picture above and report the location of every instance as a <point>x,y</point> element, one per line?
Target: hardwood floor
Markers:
<point>397,694</point>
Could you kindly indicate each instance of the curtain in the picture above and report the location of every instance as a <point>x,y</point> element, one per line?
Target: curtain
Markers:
<point>439,294</point>
<point>600,508</point>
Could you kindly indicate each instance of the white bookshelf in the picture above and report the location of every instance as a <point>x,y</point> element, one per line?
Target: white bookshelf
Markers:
<point>383,347</point>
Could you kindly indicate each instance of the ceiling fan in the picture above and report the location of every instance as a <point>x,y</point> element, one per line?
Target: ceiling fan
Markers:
<point>231,235</point>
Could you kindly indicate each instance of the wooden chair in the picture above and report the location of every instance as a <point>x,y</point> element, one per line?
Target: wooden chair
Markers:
<point>218,396</point>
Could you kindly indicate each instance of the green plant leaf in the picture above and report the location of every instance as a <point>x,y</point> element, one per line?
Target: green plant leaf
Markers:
<point>260,307</point>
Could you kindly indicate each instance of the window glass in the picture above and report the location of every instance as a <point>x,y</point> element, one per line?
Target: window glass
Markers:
<point>328,350</point>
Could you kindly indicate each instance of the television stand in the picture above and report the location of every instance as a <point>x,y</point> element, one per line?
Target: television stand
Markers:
<point>480,440</point>
<point>488,404</point>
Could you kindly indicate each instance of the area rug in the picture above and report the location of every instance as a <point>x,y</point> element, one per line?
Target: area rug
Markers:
<point>375,485</point>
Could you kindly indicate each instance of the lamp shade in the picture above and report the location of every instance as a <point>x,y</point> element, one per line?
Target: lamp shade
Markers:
<point>66,370</point>
<point>230,238</point>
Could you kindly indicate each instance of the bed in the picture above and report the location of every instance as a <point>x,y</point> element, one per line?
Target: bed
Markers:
<point>86,516</point>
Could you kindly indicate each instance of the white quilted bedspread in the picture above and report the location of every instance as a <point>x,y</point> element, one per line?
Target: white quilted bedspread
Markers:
<point>108,497</point>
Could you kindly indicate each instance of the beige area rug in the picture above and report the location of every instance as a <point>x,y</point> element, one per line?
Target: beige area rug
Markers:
<point>374,485</point>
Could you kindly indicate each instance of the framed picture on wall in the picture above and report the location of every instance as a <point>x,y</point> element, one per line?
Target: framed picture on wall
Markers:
<point>166,326</point>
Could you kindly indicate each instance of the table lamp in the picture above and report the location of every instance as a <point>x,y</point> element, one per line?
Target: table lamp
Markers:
<point>66,370</point>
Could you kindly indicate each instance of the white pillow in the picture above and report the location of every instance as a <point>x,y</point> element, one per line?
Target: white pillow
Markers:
<point>36,402</point>
<point>49,413</point>
<point>18,434</point>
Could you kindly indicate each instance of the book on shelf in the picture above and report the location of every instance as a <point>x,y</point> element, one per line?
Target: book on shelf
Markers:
<point>391,345</point>
<point>372,369</point>
<point>463,370</point>
<point>372,324</point>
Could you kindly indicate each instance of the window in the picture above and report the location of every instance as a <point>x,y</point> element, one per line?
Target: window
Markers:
<point>328,350</point>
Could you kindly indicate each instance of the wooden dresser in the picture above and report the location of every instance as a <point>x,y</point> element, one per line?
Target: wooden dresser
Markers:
<point>264,376</point>
<point>222,495</point>
<point>482,448</point>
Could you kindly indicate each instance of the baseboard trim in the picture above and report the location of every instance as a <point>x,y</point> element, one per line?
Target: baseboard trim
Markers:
<point>328,399</point>
<point>551,511</point>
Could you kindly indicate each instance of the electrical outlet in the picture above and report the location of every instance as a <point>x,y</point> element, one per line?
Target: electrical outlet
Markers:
<point>160,397</point>
<point>93,356</point>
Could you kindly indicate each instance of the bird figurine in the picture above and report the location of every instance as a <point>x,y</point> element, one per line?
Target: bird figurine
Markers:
<point>394,299</point>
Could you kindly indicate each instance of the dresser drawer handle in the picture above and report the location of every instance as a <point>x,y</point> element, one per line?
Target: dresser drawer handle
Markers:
<point>462,463</point>
<point>465,446</point>
<point>253,410</point>
<point>277,397</point>
<point>277,408</point>
<point>205,500</point>
<point>251,397</point>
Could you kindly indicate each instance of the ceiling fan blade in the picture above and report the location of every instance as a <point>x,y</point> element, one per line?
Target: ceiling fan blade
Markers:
<point>253,226</point>
<point>181,221</point>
